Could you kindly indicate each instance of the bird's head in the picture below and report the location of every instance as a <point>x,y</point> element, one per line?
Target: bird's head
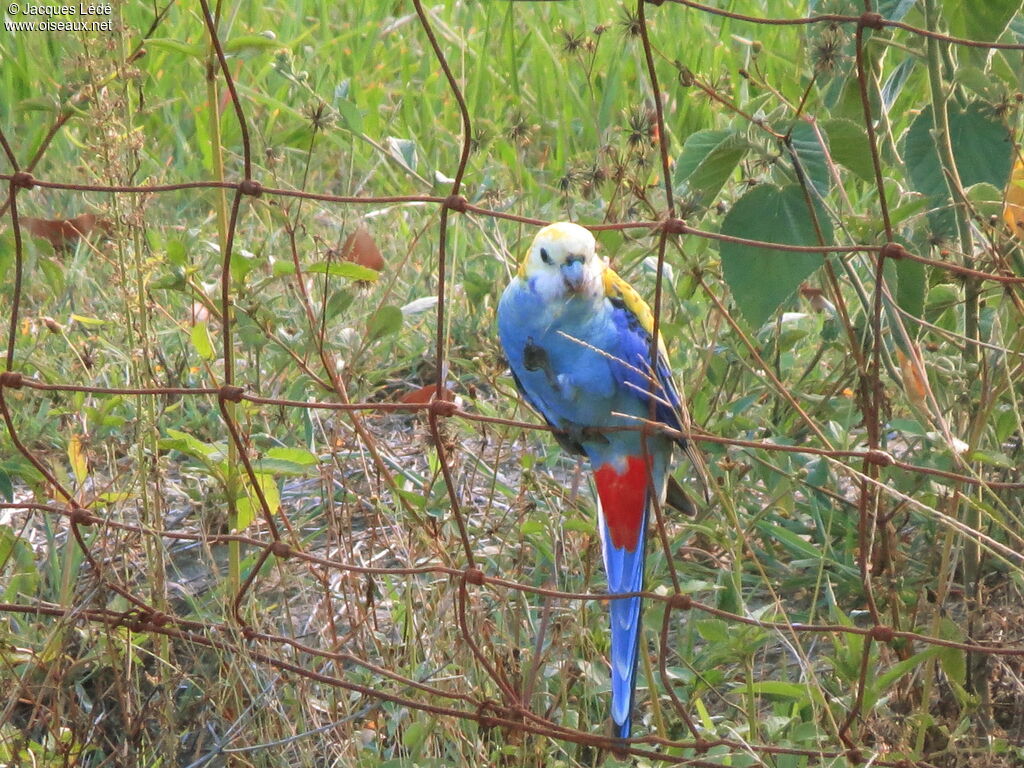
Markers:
<point>563,262</point>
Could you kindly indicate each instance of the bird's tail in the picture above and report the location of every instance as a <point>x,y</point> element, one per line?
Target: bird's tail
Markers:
<point>623,494</point>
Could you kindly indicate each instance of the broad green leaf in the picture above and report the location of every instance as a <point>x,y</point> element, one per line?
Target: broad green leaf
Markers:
<point>17,552</point>
<point>6,486</point>
<point>295,455</point>
<point>249,507</point>
<point>283,467</point>
<point>187,444</point>
<point>882,682</point>
<point>713,630</point>
<point>911,280</point>
<point>350,114</point>
<point>403,150</point>
<point>979,19</point>
<point>201,340</point>
<point>812,155</point>
<point>982,149</point>
<point>345,269</point>
<point>287,461</point>
<point>707,161</point>
<point>760,277</point>
<point>384,322</point>
<point>531,528</point>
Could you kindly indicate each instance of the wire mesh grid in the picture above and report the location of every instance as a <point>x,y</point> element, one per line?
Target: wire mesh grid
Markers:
<point>341,654</point>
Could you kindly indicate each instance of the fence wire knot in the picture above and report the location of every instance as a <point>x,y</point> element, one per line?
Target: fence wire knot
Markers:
<point>882,634</point>
<point>456,203</point>
<point>11,379</point>
<point>673,226</point>
<point>680,602</point>
<point>440,407</point>
<point>250,187</point>
<point>879,458</point>
<point>23,179</point>
<point>280,549</point>
<point>231,394</point>
<point>893,251</point>
<point>872,20</point>
<point>79,516</point>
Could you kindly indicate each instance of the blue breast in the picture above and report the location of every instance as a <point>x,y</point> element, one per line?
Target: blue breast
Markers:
<point>569,382</point>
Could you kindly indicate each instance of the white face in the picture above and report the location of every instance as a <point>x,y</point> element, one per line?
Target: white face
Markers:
<point>563,262</point>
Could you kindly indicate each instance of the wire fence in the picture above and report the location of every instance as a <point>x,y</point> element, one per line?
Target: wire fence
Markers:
<point>274,540</point>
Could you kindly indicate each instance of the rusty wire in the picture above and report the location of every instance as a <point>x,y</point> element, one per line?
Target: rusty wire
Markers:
<point>510,713</point>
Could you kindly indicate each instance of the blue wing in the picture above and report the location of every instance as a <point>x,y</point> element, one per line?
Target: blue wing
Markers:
<point>634,371</point>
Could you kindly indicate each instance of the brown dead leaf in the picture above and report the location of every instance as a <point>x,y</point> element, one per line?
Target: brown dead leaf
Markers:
<point>61,233</point>
<point>360,248</point>
<point>425,394</point>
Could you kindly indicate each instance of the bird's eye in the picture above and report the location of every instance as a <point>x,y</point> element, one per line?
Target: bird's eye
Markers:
<point>545,256</point>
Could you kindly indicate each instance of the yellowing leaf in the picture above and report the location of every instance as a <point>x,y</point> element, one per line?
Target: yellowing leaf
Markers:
<point>76,455</point>
<point>201,340</point>
<point>915,380</point>
<point>87,320</point>
<point>249,507</point>
<point>1013,208</point>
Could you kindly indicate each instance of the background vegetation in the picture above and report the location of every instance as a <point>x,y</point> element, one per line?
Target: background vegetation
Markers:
<point>258,660</point>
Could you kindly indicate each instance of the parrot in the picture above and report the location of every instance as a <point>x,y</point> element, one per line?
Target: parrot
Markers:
<point>577,338</point>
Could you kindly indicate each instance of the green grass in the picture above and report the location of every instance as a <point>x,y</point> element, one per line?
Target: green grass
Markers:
<point>347,99</point>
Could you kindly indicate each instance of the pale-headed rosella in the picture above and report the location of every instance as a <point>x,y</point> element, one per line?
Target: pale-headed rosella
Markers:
<point>578,341</point>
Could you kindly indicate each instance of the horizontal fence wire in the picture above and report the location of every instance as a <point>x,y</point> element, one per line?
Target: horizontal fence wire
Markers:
<point>274,540</point>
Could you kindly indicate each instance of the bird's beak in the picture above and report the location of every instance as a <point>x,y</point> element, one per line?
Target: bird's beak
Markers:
<point>573,274</point>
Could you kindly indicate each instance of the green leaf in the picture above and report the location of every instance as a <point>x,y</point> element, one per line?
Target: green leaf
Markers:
<point>882,682</point>
<point>250,43</point>
<point>777,688</point>
<point>16,551</point>
<point>403,150</point>
<point>762,278</point>
<point>287,461</point>
<point>345,269</point>
<point>384,322</point>
<point>808,149</point>
<point>707,161</point>
<point>6,486</point>
<point>713,630</point>
<point>982,149</point>
<point>249,507</point>
<point>895,9</point>
<point>189,445</point>
<point>176,46</point>
<point>911,280</point>
<point>294,455</point>
<point>985,20</point>
<point>895,82</point>
<point>351,115</point>
<point>790,540</point>
<point>90,321</point>
<point>201,340</point>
